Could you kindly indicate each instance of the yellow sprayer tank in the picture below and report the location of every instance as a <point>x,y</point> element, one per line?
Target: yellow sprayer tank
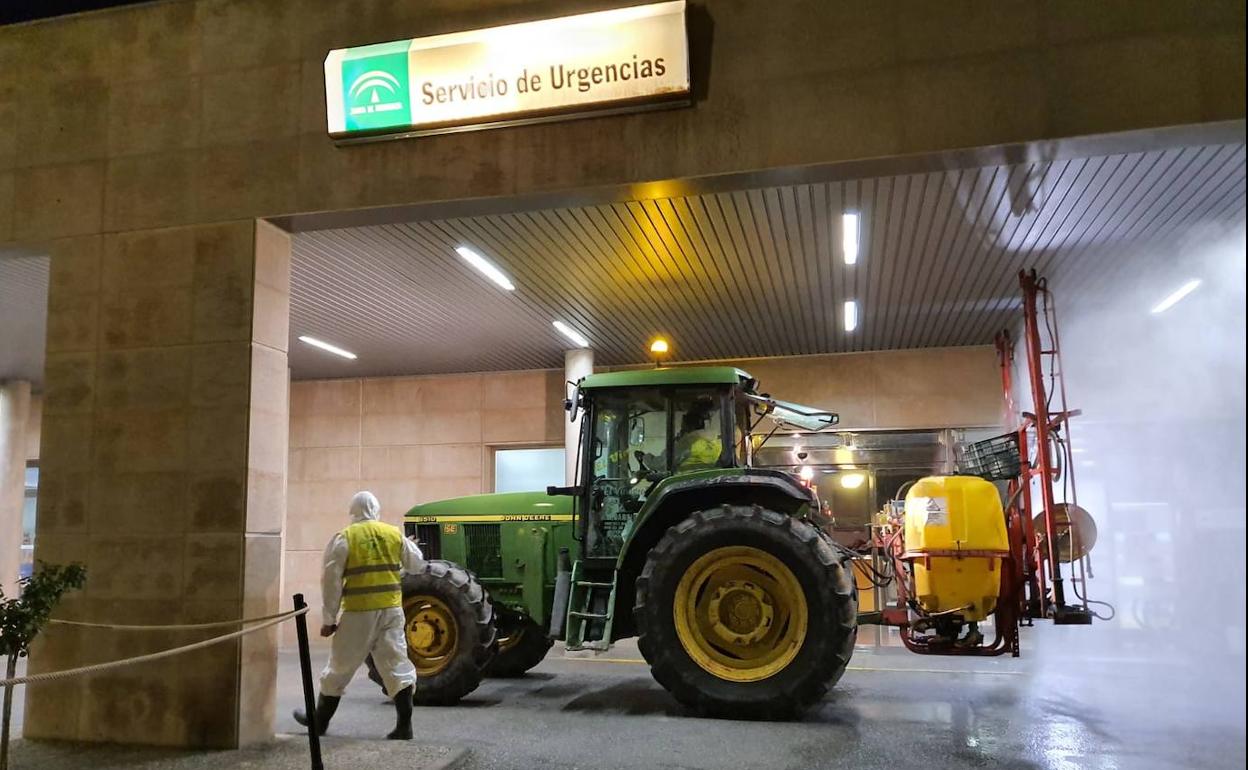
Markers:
<point>956,536</point>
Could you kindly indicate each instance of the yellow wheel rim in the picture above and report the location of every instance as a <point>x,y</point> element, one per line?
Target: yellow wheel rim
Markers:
<point>505,643</point>
<point>740,614</point>
<point>432,633</point>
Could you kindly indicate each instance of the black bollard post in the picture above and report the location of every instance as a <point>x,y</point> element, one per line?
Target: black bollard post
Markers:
<point>309,697</point>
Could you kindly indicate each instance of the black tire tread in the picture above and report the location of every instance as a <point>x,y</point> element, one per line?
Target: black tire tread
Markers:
<point>670,667</point>
<point>530,650</point>
<point>475,615</point>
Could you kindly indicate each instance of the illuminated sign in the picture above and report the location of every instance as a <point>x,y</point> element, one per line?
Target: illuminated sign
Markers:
<point>618,60</point>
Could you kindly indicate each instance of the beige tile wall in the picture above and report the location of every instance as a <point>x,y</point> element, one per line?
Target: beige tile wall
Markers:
<point>416,439</point>
<point>407,439</point>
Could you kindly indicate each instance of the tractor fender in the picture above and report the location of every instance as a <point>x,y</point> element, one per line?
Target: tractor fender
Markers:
<point>676,498</point>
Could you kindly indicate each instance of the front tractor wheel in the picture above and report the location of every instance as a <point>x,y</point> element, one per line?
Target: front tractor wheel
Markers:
<point>522,644</point>
<point>449,625</point>
<point>746,613</point>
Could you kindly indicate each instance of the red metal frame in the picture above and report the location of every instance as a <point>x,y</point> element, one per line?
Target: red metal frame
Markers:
<point>1031,576</point>
<point>1049,425</point>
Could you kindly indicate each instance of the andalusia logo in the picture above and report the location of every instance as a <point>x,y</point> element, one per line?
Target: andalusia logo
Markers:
<point>375,90</point>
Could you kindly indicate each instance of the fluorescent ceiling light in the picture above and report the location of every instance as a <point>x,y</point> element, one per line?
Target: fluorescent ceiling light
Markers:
<point>323,345</point>
<point>577,338</point>
<point>851,315</point>
<point>1174,298</point>
<point>849,237</point>
<point>485,267</point>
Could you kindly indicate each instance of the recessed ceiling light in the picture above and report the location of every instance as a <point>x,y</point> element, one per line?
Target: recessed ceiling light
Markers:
<point>485,267</point>
<point>849,237</point>
<point>851,315</point>
<point>577,338</point>
<point>323,345</point>
<point>1178,294</point>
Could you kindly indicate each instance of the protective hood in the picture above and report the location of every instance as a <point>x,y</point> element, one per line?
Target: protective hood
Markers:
<point>364,507</point>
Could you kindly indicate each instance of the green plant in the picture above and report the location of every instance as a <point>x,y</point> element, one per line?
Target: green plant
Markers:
<point>22,618</point>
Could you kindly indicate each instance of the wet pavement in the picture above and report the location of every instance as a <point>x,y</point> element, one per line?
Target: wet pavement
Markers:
<point>1065,704</point>
<point>288,752</point>
<point>1112,709</point>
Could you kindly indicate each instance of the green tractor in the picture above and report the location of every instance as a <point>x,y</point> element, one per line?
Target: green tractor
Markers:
<point>740,604</point>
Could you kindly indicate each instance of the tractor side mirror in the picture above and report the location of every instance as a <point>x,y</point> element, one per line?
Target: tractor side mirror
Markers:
<point>572,405</point>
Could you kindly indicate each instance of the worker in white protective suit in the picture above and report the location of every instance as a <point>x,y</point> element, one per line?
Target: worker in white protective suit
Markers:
<point>362,578</point>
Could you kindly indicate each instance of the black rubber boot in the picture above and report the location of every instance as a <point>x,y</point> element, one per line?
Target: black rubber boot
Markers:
<point>326,705</point>
<point>403,707</point>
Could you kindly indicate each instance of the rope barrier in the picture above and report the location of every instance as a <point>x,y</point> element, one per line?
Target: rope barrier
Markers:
<point>185,627</point>
<point>70,672</point>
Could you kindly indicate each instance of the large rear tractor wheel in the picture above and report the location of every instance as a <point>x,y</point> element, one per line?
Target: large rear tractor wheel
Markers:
<point>746,613</point>
<point>449,625</point>
<point>522,644</point>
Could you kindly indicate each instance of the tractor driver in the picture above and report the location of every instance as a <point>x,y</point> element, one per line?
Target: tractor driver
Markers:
<point>697,446</point>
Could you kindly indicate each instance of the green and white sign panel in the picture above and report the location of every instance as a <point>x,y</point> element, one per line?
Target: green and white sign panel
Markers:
<point>617,60</point>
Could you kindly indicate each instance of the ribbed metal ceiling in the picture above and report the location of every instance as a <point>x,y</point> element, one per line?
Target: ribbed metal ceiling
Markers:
<point>747,273</point>
<point>724,275</point>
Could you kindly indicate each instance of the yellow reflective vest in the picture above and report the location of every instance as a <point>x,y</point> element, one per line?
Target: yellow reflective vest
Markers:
<point>371,579</point>
<point>697,452</point>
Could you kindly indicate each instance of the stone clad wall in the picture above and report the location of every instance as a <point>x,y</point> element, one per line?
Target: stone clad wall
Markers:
<point>193,111</point>
<point>162,469</point>
<point>138,146</point>
<point>33,427</point>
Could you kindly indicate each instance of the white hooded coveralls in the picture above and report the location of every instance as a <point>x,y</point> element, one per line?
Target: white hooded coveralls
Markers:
<point>359,634</point>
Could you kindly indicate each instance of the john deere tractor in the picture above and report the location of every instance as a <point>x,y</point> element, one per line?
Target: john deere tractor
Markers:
<point>740,604</point>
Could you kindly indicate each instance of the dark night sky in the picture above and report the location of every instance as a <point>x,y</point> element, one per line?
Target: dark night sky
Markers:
<point>13,11</point>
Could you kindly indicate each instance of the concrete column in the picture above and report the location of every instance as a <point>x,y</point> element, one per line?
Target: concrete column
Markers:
<point>14,414</point>
<point>577,363</point>
<point>163,471</point>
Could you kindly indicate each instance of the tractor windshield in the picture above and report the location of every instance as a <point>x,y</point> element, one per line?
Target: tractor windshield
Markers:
<point>640,436</point>
<point>628,447</point>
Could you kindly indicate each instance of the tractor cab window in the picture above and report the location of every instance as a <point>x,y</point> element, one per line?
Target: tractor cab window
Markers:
<point>741,431</point>
<point>628,453</point>
<point>699,440</point>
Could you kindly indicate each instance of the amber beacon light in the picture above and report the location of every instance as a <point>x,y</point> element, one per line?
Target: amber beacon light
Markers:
<point>659,350</point>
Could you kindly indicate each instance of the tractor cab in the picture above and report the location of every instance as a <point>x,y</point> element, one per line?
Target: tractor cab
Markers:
<point>643,428</point>
<point>635,438</point>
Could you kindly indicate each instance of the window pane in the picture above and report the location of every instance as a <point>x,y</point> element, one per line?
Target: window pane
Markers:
<point>528,470</point>
<point>28,520</point>
<point>847,496</point>
<point>699,438</point>
<point>628,447</point>
<point>625,425</point>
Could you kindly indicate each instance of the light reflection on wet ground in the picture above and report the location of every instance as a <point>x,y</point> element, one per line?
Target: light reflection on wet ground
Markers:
<point>1067,707</point>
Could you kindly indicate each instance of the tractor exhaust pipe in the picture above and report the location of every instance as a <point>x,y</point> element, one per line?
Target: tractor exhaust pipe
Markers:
<point>563,591</point>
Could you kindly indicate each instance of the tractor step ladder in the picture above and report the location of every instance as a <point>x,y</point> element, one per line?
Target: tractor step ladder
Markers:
<point>590,607</point>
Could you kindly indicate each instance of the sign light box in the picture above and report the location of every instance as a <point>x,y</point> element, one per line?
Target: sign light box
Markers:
<point>610,61</point>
